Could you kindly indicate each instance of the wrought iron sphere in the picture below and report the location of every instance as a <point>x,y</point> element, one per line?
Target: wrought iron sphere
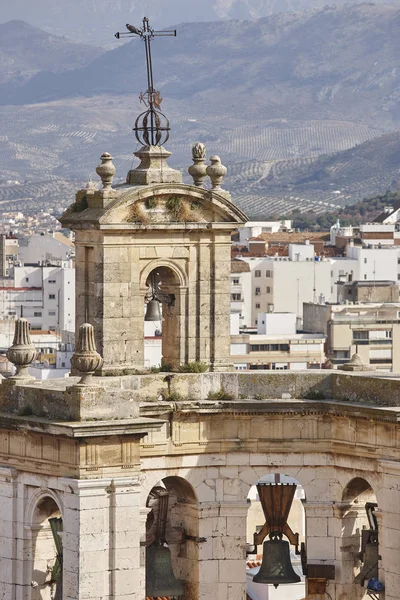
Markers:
<point>152,128</point>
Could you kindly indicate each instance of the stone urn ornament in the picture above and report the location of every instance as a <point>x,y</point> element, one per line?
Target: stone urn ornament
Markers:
<point>216,172</point>
<point>106,170</point>
<point>198,171</point>
<point>22,352</point>
<point>86,359</point>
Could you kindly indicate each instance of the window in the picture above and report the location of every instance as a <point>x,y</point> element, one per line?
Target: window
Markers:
<point>12,313</point>
<point>258,305</point>
<point>365,261</point>
<point>52,313</point>
<point>268,274</point>
<point>36,327</point>
<point>365,276</point>
<point>398,261</point>
<point>268,290</point>
<point>52,296</point>
<point>63,365</point>
<point>52,328</point>
<point>257,274</point>
<point>236,297</point>
<point>258,291</point>
<point>37,314</point>
<point>52,281</point>
<point>235,281</point>
<point>360,335</point>
<point>27,279</point>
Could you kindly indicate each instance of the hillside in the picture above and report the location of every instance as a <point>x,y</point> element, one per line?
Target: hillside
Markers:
<point>365,211</point>
<point>329,64</point>
<point>26,50</point>
<point>371,167</point>
<point>85,20</point>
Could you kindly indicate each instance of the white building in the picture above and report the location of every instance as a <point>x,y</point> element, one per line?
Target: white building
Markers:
<point>279,284</point>
<point>45,295</point>
<point>46,247</point>
<point>374,262</point>
<point>255,228</point>
<point>241,291</point>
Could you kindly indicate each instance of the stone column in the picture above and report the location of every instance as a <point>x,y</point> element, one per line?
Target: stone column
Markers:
<point>102,540</point>
<point>323,537</point>
<point>11,569</point>
<point>222,556</point>
<point>221,301</point>
<point>143,511</point>
<point>388,516</point>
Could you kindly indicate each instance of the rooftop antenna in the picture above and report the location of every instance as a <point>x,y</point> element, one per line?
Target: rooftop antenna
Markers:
<point>152,126</point>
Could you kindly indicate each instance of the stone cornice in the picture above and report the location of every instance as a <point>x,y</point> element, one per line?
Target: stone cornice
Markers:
<point>282,407</point>
<point>86,429</point>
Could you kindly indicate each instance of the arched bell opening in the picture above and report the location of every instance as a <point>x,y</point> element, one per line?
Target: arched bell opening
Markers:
<point>275,538</point>
<point>172,540</point>
<point>47,553</point>
<point>162,318</point>
<point>360,539</point>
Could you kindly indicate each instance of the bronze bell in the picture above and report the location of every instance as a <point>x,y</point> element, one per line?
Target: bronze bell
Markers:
<point>153,312</point>
<point>276,566</point>
<point>160,578</point>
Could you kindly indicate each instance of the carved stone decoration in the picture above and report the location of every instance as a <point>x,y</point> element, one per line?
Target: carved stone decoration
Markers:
<point>22,352</point>
<point>198,170</point>
<point>86,359</point>
<point>153,167</point>
<point>216,172</point>
<point>106,170</point>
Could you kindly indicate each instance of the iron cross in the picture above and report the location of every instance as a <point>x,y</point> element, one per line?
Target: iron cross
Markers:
<point>150,133</point>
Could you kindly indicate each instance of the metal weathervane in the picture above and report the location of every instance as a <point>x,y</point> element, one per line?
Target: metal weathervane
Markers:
<point>152,126</point>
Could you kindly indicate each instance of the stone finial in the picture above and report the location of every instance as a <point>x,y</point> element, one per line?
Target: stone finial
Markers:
<point>106,170</point>
<point>153,167</point>
<point>86,359</point>
<point>198,170</point>
<point>216,172</point>
<point>356,364</point>
<point>22,352</point>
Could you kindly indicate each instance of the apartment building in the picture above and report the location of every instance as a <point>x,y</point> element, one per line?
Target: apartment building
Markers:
<point>371,330</point>
<point>282,284</point>
<point>277,346</point>
<point>8,253</point>
<point>45,295</point>
<point>48,247</point>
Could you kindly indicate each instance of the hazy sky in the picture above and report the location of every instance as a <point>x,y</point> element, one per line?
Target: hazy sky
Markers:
<point>95,21</point>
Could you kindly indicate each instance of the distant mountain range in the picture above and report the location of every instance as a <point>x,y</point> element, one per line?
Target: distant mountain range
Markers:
<point>329,64</point>
<point>274,97</point>
<point>97,20</point>
<point>26,50</point>
<point>370,168</point>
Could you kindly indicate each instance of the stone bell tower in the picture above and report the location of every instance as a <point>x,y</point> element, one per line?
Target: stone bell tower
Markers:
<point>154,232</point>
<point>155,239</point>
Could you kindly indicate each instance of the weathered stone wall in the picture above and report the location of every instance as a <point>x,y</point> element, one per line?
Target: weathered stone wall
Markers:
<point>120,397</point>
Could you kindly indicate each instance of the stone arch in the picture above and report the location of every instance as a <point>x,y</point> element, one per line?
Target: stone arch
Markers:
<point>162,262</point>
<point>173,322</point>
<point>41,567</point>
<point>181,530</point>
<point>256,521</point>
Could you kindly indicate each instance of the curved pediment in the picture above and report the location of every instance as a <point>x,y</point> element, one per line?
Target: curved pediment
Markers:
<point>170,204</point>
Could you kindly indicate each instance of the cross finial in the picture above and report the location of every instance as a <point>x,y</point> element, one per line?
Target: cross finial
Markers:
<point>152,126</point>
